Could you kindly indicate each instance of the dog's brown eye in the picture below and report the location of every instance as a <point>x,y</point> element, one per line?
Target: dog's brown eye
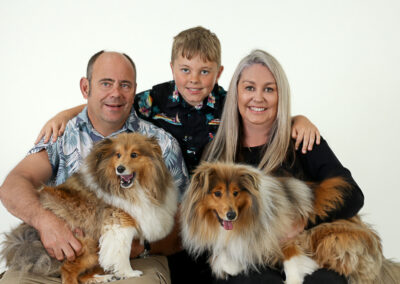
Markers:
<point>235,193</point>
<point>218,193</point>
<point>118,155</point>
<point>133,155</point>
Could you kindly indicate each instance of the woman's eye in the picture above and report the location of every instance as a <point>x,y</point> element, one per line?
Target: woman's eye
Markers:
<point>269,90</point>
<point>249,88</point>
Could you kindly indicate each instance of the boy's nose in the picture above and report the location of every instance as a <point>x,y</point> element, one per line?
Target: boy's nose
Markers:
<point>194,78</point>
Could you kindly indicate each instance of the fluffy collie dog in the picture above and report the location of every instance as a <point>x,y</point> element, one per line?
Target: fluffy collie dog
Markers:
<point>240,216</point>
<point>123,191</point>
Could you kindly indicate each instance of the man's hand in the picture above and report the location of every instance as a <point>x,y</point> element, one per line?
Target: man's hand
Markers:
<point>57,238</point>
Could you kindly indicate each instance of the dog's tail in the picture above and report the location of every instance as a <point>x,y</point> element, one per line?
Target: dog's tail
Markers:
<point>390,272</point>
<point>328,196</point>
<point>23,251</point>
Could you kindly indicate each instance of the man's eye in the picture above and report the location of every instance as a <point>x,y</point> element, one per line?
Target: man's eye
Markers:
<point>105,84</point>
<point>125,86</point>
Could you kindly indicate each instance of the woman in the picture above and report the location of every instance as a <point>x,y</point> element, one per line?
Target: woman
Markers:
<point>255,129</point>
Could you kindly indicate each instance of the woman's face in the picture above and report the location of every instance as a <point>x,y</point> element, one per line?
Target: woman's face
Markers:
<point>257,97</point>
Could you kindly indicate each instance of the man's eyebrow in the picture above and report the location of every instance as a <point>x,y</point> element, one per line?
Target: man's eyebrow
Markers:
<point>126,82</point>
<point>106,79</point>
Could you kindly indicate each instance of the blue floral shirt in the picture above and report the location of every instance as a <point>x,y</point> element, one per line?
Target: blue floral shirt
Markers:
<point>67,153</point>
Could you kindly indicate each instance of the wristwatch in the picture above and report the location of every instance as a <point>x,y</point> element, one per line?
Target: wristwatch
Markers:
<point>146,251</point>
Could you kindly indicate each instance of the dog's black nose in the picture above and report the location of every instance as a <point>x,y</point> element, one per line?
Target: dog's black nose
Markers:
<point>231,215</point>
<point>120,169</point>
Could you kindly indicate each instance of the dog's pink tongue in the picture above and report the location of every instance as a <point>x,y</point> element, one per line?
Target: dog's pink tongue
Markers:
<point>127,177</point>
<point>228,225</point>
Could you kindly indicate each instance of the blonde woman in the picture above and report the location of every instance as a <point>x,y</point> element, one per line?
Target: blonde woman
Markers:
<point>255,129</point>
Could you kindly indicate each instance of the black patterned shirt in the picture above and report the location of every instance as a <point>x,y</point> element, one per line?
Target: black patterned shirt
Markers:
<point>193,127</point>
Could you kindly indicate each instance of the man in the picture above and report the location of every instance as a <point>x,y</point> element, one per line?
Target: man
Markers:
<point>109,88</point>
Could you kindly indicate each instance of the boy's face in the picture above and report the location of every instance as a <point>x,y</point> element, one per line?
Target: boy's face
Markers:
<point>195,78</point>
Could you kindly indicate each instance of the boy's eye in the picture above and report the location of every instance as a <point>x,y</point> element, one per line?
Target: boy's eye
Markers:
<point>185,70</point>
<point>204,72</point>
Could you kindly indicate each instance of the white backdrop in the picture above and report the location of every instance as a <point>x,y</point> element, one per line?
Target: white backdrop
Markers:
<point>342,59</point>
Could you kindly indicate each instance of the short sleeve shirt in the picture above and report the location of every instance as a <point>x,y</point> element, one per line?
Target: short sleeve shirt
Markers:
<point>192,126</point>
<point>67,153</point>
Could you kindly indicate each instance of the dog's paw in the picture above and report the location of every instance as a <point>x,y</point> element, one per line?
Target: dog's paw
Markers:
<point>297,268</point>
<point>129,274</point>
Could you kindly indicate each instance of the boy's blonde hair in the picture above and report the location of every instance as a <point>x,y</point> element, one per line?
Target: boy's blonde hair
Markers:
<point>197,41</point>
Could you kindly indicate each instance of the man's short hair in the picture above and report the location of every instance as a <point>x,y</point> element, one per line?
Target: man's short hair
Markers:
<point>197,41</point>
<point>92,60</point>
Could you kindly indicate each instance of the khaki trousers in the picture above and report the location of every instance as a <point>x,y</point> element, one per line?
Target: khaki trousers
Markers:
<point>155,271</point>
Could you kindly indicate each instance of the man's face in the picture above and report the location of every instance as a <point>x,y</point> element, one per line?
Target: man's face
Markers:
<point>110,92</point>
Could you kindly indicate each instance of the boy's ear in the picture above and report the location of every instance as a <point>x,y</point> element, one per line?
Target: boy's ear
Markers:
<point>84,85</point>
<point>172,68</point>
<point>221,68</point>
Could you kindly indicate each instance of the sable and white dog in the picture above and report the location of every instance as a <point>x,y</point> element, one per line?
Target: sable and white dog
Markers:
<point>123,191</point>
<point>240,216</point>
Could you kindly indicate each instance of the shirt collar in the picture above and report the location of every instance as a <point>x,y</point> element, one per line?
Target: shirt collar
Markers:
<point>130,125</point>
<point>176,99</point>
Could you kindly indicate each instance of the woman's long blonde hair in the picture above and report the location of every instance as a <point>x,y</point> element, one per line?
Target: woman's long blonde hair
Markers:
<point>227,141</point>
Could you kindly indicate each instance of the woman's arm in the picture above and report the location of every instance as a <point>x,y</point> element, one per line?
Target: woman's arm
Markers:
<point>320,164</point>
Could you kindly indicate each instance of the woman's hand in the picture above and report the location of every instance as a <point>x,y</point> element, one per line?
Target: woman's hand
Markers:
<point>304,131</point>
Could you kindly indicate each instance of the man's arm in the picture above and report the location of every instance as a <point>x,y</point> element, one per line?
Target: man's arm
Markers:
<point>19,195</point>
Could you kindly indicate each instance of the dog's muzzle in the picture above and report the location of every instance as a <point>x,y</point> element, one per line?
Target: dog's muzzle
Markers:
<point>126,180</point>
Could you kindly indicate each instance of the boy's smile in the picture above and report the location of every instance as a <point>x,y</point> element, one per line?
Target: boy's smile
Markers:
<point>195,78</point>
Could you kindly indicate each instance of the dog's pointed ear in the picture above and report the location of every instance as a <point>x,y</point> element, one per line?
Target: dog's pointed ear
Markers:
<point>201,177</point>
<point>155,145</point>
<point>249,180</point>
<point>100,150</point>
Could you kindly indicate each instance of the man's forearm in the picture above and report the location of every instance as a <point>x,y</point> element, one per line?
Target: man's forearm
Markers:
<point>21,199</point>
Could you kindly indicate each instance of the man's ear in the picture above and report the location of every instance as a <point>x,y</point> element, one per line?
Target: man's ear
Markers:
<point>85,86</point>
<point>221,68</point>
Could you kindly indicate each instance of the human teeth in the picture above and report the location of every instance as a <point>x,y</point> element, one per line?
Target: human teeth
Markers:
<point>257,108</point>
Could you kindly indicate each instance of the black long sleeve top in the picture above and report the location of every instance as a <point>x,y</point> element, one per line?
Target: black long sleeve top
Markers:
<point>315,165</point>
